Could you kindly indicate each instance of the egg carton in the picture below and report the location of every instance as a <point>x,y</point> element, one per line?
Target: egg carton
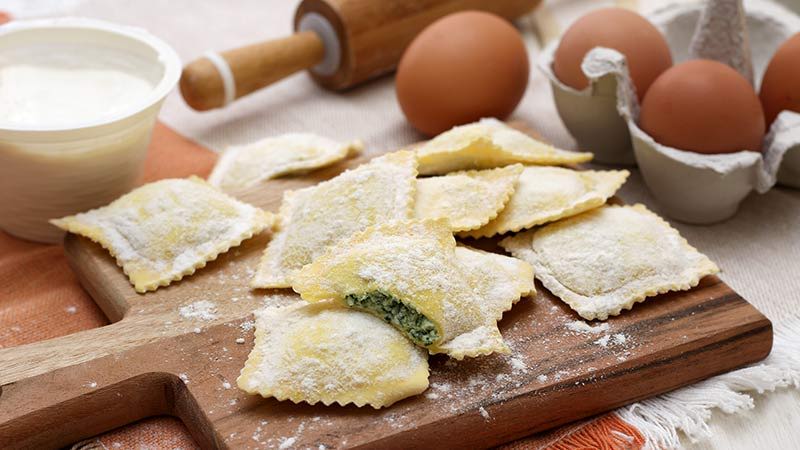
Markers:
<point>691,187</point>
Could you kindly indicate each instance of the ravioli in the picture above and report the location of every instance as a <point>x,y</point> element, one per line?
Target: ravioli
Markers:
<point>324,353</point>
<point>607,259</point>
<point>411,274</point>
<point>546,194</point>
<point>314,218</point>
<point>165,230</point>
<point>487,144</point>
<point>468,199</point>
<point>247,165</point>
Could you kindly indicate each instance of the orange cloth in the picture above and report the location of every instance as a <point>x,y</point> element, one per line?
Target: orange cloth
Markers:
<point>604,432</point>
<point>161,432</point>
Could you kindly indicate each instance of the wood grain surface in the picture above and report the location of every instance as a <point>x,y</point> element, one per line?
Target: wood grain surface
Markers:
<point>153,361</point>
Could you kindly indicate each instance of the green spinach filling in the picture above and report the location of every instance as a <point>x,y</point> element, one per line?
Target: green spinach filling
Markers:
<point>418,327</point>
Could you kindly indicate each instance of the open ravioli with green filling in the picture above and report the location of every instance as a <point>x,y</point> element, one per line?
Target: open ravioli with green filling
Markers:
<point>322,352</point>
<point>411,274</point>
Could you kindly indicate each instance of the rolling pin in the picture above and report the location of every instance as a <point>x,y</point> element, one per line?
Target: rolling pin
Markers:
<point>341,43</point>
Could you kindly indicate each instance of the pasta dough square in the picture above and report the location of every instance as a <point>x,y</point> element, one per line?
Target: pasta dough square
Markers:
<point>607,259</point>
<point>165,230</point>
<point>411,274</point>
<point>487,144</point>
<point>314,218</point>
<point>247,165</point>
<point>546,194</point>
<point>468,199</point>
<point>324,353</point>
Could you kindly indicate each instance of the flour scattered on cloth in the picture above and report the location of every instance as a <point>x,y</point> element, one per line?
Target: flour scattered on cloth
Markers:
<point>200,310</point>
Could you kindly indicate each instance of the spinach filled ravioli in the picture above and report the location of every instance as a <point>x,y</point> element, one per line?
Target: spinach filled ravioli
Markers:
<point>167,229</point>
<point>468,199</point>
<point>247,165</point>
<point>322,352</point>
<point>411,274</point>
<point>486,144</point>
<point>607,259</point>
<point>314,218</point>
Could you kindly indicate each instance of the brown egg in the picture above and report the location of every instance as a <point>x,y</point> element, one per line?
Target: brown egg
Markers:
<point>780,88</point>
<point>644,47</point>
<point>461,68</point>
<point>703,106</point>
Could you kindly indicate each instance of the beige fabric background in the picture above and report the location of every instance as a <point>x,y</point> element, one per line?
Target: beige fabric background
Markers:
<point>758,250</point>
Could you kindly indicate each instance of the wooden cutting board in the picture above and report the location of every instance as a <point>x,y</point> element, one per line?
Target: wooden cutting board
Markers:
<point>153,360</point>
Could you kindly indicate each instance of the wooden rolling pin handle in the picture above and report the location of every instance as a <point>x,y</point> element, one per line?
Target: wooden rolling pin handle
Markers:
<point>247,69</point>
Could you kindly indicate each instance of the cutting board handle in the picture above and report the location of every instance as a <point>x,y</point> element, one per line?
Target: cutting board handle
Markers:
<point>33,417</point>
<point>219,78</point>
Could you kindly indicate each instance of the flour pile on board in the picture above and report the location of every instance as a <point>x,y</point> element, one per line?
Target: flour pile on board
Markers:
<point>606,340</point>
<point>287,442</point>
<point>579,326</point>
<point>617,339</point>
<point>201,310</point>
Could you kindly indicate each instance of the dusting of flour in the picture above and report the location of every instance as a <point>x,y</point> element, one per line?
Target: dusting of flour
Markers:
<point>201,310</point>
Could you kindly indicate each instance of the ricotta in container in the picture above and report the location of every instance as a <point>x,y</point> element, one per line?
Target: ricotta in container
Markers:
<point>78,102</point>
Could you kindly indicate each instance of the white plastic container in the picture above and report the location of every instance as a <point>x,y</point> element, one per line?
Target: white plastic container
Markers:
<point>52,168</point>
